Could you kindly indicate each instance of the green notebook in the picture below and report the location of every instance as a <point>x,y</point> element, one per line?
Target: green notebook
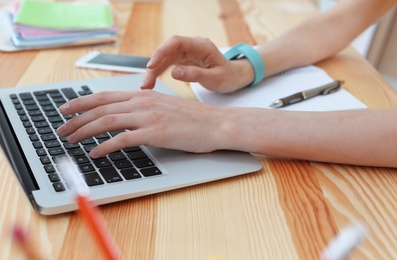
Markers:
<point>64,15</point>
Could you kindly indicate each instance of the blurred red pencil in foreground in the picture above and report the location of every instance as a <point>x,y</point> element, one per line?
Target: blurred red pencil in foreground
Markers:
<point>89,211</point>
<point>345,242</point>
<point>20,235</point>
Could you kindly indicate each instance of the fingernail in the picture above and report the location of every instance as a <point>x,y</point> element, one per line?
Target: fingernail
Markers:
<point>149,64</point>
<point>178,72</point>
<point>64,108</point>
<point>94,153</point>
<point>144,82</point>
<point>71,138</point>
<point>61,130</point>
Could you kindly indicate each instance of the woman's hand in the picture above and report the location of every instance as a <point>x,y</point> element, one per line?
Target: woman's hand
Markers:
<point>198,60</point>
<point>154,119</point>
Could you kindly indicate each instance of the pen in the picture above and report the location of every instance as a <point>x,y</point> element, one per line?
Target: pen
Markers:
<point>90,212</point>
<point>306,94</point>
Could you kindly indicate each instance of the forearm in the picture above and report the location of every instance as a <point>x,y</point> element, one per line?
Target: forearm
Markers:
<point>361,137</point>
<point>321,36</point>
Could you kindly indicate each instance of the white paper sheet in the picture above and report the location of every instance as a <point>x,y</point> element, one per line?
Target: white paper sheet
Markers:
<point>282,85</point>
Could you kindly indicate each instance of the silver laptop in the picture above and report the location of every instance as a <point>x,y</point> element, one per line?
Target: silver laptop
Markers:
<point>28,120</point>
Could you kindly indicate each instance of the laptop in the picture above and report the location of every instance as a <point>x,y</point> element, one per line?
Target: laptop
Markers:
<point>28,120</point>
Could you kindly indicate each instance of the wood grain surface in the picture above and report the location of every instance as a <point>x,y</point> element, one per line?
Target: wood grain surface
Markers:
<point>288,210</point>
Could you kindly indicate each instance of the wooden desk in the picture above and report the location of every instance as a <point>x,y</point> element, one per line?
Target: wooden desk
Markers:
<point>289,210</point>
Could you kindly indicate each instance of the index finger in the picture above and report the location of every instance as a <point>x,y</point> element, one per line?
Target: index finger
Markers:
<point>179,45</point>
<point>91,101</point>
<point>175,50</point>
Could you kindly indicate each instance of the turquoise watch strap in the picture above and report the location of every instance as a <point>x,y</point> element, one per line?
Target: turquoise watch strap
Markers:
<point>254,58</point>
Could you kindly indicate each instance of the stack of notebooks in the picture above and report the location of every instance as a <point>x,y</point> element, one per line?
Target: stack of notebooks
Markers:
<point>43,24</point>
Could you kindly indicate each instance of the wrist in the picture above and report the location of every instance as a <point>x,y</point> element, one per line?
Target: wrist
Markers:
<point>244,73</point>
<point>249,53</point>
<point>236,131</point>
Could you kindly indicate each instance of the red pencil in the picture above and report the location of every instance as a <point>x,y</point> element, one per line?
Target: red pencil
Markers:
<point>90,212</point>
<point>20,236</point>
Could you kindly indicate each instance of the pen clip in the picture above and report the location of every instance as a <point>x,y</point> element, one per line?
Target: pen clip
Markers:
<point>332,88</point>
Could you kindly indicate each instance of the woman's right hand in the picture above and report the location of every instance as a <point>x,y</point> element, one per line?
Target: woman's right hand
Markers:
<point>198,60</point>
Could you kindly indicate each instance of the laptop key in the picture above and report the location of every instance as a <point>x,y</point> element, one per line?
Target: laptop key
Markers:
<point>55,94</point>
<point>76,152</point>
<point>102,140</point>
<point>70,146</point>
<point>130,174</point>
<point>82,159</point>
<point>54,177</point>
<point>58,104</point>
<point>89,147</point>
<point>58,186</point>
<point>45,102</point>
<point>29,102</point>
<point>122,164</point>
<point>34,137</point>
<point>35,113</point>
<point>132,149</point>
<point>42,92</point>
<point>57,125</point>
<point>24,118</point>
<point>92,179</point>
<point>37,144</point>
<point>102,162</point>
<point>45,160</point>
<point>56,151</point>
<point>52,144</point>
<point>86,168</point>
<point>31,107</point>
<point>69,93</point>
<point>143,163</point>
<point>41,124</point>
<point>58,158</point>
<point>47,108</point>
<point>30,131</point>
<point>44,130</point>
<point>88,141</point>
<point>59,100</point>
<point>21,112</point>
<point>54,119</point>
<point>38,118</point>
<point>110,175</point>
<point>152,171</point>
<point>51,113</point>
<point>49,168</point>
<point>27,124</point>
<point>117,156</point>
<point>41,152</point>
<point>137,155</point>
<point>25,96</point>
<point>114,133</point>
<point>102,136</point>
<point>42,98</point>
<point>68,117</point>
<point>63,138</point>
<point>48,137</point>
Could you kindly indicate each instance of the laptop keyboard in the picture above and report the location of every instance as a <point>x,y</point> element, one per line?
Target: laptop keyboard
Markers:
<point>39,115</point>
